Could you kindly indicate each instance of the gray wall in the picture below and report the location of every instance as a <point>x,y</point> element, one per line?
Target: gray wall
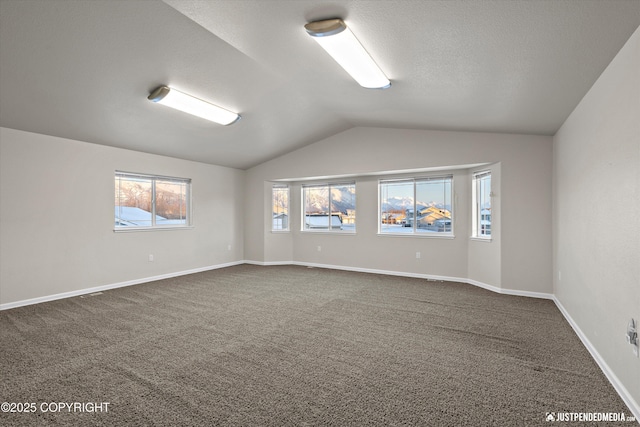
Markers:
<point>596,212</point>
<point>518,258</point>
<point>56,217</point>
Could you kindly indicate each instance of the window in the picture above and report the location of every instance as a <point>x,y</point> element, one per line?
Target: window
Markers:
<point>280,208</point>
<point>481,202</point>
<point>420,206</point>
<point>147,201</point>
<point>329,207</point>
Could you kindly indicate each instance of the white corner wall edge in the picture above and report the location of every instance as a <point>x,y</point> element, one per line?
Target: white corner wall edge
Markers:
<point>613,379</point>
<point>86,291</point>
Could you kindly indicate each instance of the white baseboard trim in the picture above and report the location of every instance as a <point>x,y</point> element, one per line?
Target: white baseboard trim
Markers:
<point>520,293</point>
<point>431,277</point>
<point>267,263</point>
<point>86,291</point>
<point>492,288</point>
<point>613,379</point>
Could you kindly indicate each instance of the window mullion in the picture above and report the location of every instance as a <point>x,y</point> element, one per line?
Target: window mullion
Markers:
<point>415,207</point>
<point>330,210</point>
<point>476,205</point>
<point>119,197</point>
<point>479,205</point>
<point>153,202</point>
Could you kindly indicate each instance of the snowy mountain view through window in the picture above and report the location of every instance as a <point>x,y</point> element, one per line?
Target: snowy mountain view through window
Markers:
<point>416,206</point>
<point>329,207</point>
<point>143,201</point>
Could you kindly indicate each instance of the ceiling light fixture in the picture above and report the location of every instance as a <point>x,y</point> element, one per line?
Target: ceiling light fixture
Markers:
<point>339,42</point>
<point>173,98</point>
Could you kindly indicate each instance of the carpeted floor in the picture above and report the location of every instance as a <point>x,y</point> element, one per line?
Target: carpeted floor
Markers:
<point>294,346</point>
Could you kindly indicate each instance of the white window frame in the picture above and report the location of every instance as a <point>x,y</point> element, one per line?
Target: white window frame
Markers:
<point>478,198</point>
<point>330,228</point>
<point>153,179</point>
<point>274,189</point>
<point>414,233</point>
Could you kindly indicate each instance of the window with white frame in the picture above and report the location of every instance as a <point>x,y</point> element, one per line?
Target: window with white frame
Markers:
<point>150,201</point>
<point>280,208</point>
<point>481,205</point>
<point>418,206</point>
<point>329,207</point>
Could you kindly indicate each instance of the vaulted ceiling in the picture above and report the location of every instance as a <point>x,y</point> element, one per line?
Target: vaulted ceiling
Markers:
<point>83,69</point>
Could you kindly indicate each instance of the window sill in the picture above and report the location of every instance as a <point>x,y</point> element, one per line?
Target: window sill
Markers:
<point>136,229</point>
<point>480,239</point>
<point>337,232</point>
<point>419,236</point>
<point>281,231</point>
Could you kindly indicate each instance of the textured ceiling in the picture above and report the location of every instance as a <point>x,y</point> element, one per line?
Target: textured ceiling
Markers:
<point>83,69</point>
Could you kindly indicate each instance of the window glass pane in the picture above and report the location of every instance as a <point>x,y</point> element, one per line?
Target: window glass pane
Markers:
<point>280,203</point>
<point>484,197</point>
<point>416,206</point>
<point>433,206</point>
<point>133,202</point>
<point>316,208</point>
<point>343,207</point>
<point>147,201</point>
<point>171,203</point>
<point>396,207</point>
<point>330,207</point>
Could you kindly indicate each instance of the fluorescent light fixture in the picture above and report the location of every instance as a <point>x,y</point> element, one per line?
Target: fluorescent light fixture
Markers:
<point>173,98</point>
<point>339,42</point>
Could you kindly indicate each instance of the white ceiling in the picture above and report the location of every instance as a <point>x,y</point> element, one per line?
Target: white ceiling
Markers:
<point>83,69</point>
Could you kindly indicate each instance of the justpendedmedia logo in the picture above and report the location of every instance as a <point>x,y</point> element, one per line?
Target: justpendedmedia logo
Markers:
<point>589,417</point>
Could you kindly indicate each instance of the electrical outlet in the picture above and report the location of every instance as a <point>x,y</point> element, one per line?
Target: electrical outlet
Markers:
<point>319,248</point>
<point>150,257</point>
<point>417,255</point>
<point>632,336</point>
<point>229,247</point>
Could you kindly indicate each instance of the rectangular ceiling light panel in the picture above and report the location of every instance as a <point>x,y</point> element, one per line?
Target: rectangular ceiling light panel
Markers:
<point>343,46</point>
<point>173,98</point>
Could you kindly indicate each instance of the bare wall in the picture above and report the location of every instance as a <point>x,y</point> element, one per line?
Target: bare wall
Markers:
<point>596,213</point>
<point>519,256</point>
<point>56,217</point>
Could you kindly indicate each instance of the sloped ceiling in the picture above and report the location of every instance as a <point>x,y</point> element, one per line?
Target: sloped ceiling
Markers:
<point>83,69</point>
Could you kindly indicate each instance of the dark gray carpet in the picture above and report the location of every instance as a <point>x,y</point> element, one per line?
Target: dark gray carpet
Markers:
<point>293,346</point>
